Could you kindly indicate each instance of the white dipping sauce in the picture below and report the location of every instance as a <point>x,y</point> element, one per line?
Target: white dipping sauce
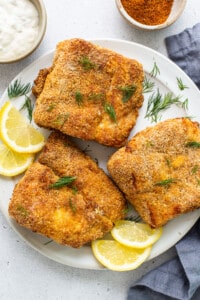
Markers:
<point>19,25</point>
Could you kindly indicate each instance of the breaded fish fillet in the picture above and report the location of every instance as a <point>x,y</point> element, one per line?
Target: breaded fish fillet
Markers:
<point>89,92</point>
<point>159,170</point>
<point>73,214</point>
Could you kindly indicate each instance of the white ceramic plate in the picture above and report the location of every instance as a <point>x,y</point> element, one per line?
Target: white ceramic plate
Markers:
<point>166,81</point>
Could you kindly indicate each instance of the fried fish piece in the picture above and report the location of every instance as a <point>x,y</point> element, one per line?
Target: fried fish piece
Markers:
<point>73,214</point>
<point>159,170</point>
<point>90,92</point>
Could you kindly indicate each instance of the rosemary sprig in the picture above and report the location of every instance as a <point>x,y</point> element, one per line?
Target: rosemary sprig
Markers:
<point>165,182</point>
<point>79,98</point>
<point>180,84</point>
<point>62,181</point>
<point>18,89</point>
<point>109,109</point>
<point>193,144</point>
<point>155,71</point>
<point>86,63</point>
<point>29,106</point>
<point>127,92</point>
<point>148,85</point>
<point>158,103</point>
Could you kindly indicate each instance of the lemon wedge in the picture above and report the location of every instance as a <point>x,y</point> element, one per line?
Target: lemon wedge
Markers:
<point>136,235</point>
<point>12,163</point>
<point>117,257</point>
<point>17,133</point>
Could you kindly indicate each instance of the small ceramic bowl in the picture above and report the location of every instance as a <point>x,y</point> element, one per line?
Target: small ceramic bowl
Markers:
<point>42,29</point>
<point>177,9</point>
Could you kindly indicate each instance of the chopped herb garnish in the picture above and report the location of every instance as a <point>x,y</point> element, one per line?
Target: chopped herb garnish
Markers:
<point>86,63</point>
<point>195,169</point>
<point>168,162</point>
<point>155,71</point>
<point>18,89</point>
<point>72,205</point>
<point>148,85</point>
<point>96,97</point>
<point>158,103</point>
<point>165,182</point>
<point>22,211</point>
<point>79,98</point>
<point>198,181</point>
<point>61,119</point>
<point>51,107</point>
<point>62,181</point>
<point>180,84</point>
<point>127,92</point>
<point>193,144</point>
<point>109,109</point>
<point>29,106</point>
<point>74,190</point>
<point>149,144</point>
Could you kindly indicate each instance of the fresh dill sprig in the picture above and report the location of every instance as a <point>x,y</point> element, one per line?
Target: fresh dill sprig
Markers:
<point>166,182</point>
<point>109,109</point>
<point>155,71</point>
<point>181,85</point>
<point>29,106</point>
<point>62,181</point>
<point>148,85</point>
<point>86,63</point>
<point>127,92</point>
<point>79,97</point>
<point>158,103</point>
<point>17,89</point>
<point>193,144</point>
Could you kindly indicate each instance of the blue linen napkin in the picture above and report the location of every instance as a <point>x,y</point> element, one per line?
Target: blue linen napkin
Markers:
<point>178,278</point>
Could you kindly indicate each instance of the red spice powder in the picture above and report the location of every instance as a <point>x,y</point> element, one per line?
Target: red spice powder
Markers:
<point>149,12</point>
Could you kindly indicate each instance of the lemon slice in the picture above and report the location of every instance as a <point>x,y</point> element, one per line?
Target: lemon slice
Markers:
<point>136,235</point>
<point>12,163</point>
<point>17,133</point>
<point>117,257</point>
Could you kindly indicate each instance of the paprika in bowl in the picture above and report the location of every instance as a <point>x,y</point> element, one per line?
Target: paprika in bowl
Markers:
<point>151,14</point>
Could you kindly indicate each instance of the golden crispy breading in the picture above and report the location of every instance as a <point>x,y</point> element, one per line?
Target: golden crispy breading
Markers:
<point>159,170</point>
<point>90,92</point>
<point>71,215</point>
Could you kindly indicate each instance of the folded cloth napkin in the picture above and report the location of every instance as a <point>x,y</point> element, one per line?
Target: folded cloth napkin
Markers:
<point>178,278</point>
<point>184,50</point>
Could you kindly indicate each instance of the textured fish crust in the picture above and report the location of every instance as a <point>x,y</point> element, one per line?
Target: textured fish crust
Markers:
<point>71,215</point>
<point>159,170</point>
<point>81,94</point>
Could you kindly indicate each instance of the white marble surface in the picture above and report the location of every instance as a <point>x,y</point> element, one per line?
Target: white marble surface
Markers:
<point>24,273</point>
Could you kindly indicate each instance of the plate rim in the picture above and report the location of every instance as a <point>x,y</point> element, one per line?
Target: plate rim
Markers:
<point>96,41</point>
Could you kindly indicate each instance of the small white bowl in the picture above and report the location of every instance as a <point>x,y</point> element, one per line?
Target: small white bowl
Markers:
<point>177,9</point>
<point>42,29</point>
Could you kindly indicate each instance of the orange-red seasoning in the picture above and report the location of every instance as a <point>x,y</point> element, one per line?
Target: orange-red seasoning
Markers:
<point>149,12</point>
